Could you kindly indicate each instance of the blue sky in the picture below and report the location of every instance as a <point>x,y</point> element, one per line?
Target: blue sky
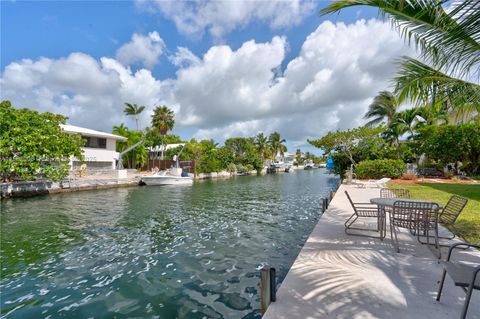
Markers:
<point>54,30</point>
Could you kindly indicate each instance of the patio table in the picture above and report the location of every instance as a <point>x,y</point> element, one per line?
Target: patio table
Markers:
<point>384,203</point>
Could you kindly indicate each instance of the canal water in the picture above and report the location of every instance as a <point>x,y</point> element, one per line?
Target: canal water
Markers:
<point>155,252</point>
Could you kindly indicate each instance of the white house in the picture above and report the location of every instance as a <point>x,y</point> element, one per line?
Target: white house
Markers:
<point>99,150</point>
<point>287,158</point>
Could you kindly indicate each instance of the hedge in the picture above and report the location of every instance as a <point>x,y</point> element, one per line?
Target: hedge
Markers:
<point>380,168</point>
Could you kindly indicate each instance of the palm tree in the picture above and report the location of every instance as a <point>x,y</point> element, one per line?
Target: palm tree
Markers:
<point>276,143</point>
<point>298,156</point>
<point>196,151</point>
<point>384,105</point>
<point>163,120</point>
<point>448,43</point>
<point>406,122</point>
<point>261,143</point>
<point>133,109</point>
<point>121,130</point>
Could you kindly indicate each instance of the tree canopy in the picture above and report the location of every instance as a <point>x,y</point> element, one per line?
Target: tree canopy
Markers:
<point>33,145</point>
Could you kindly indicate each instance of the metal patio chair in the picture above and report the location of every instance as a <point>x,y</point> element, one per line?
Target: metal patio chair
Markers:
<point>449,214</point>
<point>465,276</point>
<point>361,210</point>
<point>394,193</point>
<point>418,217</point>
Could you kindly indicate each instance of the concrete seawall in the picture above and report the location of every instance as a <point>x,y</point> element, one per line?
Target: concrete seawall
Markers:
<point>33,188</point>
<point>343,276</point>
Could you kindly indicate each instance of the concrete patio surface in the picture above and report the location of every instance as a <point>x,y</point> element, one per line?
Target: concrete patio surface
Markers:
<point>343,276</point>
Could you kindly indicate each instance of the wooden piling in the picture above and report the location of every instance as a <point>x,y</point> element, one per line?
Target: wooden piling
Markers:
<point>265,296</point>
<point>332,193</point>
<point>324,204</point>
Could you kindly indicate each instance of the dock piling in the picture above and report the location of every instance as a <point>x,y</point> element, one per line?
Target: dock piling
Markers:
<point>267,287</point>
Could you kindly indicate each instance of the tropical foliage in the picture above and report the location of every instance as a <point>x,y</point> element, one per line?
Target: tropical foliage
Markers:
<point>137,156</point>
<point>243,153</point>
<point>448,42</point>
<point>163,120</point>
<point>384,106</point>
<point>380,168</point>
<point>349,147</point>
<point>451,144</point>
<point>277,144</point>
<point>442,84</point>
<point>134,110</point>
<point>33,145</point>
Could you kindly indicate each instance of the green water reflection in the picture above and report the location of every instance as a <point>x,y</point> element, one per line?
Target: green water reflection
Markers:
<point>155,252</point>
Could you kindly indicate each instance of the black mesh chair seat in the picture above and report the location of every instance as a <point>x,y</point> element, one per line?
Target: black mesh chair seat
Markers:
<point>466,276</point>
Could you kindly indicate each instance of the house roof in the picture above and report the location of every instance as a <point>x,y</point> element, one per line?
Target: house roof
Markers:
<point>158,148</point>
<point>89,132</point>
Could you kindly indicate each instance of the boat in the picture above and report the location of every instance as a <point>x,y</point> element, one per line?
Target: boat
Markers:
<point>168,177</point>
<point>309,165</point>
<point>172,176</point>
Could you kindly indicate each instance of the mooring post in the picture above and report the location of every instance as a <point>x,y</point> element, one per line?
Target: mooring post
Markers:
<point>268,287</point>
<point>265,296</point>
<point>324,205</point>
<point>332,193</point>
<point>273,285</point>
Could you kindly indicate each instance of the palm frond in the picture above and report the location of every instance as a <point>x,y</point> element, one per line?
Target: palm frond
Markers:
<point>384,105</point>
<point>449,40</point>
<point>419,83</point>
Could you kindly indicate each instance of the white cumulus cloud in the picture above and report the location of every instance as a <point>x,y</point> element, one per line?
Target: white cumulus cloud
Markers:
<point>329,85</point>
<point>225,92</point>
<point>90,92</point>
<point>142,49</point>
<point>220,17</point>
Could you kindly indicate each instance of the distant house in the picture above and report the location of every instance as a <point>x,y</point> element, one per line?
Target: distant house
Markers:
<point>287,157</point>
<point>99,150</point>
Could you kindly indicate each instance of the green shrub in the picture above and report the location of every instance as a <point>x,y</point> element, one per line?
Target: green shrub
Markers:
<point>231,168</point>
<point>380,168</point>
<point>241,169</point>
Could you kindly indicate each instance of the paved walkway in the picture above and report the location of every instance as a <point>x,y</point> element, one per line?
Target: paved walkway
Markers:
<point>342,276</point>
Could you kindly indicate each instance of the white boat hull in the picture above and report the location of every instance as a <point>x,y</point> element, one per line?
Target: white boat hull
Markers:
<point>167,180</point>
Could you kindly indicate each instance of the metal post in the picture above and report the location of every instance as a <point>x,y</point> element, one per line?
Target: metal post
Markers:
<point>265,296</point>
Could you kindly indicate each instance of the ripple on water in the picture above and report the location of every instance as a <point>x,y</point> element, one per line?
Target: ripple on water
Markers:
<point>173,252</point>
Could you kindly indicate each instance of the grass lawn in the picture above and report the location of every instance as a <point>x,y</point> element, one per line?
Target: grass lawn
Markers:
<point>468,223</point>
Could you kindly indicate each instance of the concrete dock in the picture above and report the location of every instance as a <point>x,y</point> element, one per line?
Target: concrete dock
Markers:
<point>343,276</point>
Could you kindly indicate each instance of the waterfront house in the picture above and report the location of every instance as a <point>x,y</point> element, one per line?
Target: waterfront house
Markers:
<point>286,157</point>
<point>99,151</point>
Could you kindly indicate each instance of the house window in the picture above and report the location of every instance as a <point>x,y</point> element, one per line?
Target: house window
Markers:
<point>95,142</point>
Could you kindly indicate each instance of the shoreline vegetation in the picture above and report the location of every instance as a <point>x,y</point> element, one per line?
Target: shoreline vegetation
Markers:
<point>438,133</point>
<point>41,150</point>
<point>430,120</point>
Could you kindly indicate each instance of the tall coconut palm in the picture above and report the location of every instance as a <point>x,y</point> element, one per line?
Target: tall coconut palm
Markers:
<point>134,110</point>
<point>163,120</point>
<point>448,42</point>
<point>384,106</point>
<point>262,145</point>
<point>406,122</point>
<point>277,144</point>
